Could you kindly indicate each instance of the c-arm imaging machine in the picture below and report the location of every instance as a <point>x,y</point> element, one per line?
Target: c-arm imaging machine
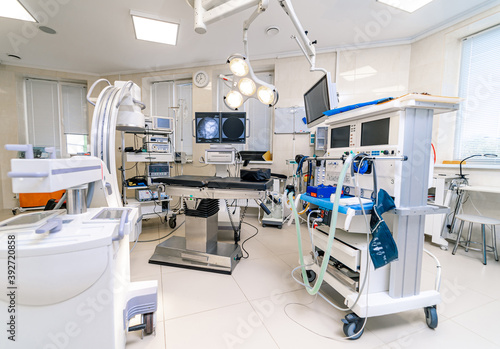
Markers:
<point>71,287</point>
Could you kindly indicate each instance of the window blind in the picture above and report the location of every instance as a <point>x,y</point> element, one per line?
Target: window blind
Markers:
<point>42,113</point>
<point>478,120</point>
<point>74,105</point>
<point>168,94</point>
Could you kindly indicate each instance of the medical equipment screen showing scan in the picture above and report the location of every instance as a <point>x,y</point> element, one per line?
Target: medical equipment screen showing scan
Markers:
<point>339,137</point>
<point>233,127</point>
<point>207,127</point>
<point>320,98</point>
<point>375,132</point>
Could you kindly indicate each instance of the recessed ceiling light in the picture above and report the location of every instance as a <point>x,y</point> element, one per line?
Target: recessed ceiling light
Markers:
<point>46,29</point>
<point>155,30</point>
<point>14,9</point>
<point>406,5</point>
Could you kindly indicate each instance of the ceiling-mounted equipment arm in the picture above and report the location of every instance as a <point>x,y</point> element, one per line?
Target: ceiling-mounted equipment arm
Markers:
<point>302,40</point>
<point>262,6</point>
<point>210,11</point>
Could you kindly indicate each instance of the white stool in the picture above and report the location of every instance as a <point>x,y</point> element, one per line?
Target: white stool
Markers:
<point>471,219</point>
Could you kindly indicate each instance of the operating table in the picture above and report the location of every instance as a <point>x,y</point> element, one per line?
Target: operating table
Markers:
<point>199,249</point>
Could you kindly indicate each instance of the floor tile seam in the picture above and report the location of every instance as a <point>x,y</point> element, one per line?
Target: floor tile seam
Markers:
<point>471,310</point>
<point>265,326</point>
<point>477,334</point>
<point>204,311</point>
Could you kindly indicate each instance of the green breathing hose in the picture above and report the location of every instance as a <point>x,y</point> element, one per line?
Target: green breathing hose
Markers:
<point>331,235</point>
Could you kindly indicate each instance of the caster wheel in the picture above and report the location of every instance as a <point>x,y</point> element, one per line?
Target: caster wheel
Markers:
<point>353,326</point>
<point>311,275</point>
<point>280,226</point>
<point>148,320</point>
<point>264,225</point>
<point>431,317</point>
<point>172,222</point>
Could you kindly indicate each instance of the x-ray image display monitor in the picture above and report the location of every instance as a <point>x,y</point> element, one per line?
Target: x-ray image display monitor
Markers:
<point>207,127</point>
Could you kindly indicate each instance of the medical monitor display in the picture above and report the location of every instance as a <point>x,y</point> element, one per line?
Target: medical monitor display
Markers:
<point>318,99</point>
<point>215,127</point>
<point>375,132</point>
<point>339,137</point>
<point>233,127</point>
<point>163,123</point>
<point>207,127</point>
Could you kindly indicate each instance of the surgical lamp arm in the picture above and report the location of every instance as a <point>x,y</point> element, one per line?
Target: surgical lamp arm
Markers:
<point>303,41</point>
<point>261,7</point>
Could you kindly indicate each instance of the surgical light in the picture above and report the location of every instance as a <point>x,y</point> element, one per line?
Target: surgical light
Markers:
<point>14,9</point>
<point>265,95</point>
<point>234,99</point>
<point>247,86</point>
<point>238,66</point>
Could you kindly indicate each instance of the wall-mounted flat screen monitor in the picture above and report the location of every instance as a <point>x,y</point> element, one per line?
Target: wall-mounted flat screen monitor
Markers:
<point>216,127</point>
<point>207,127</point>
<point>321,97</point>
<point>233,127</point>
<point>375,132</point>
<point>339,137</point>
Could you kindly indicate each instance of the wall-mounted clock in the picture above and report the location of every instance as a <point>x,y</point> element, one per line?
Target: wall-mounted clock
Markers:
<point>200,79</point>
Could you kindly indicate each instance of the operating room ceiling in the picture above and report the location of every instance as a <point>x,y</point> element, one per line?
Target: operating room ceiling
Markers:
<point>97,36</point>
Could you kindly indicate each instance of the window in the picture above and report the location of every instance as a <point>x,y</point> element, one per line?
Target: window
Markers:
<point>56,116</point>
<point>174,98</point>
<point>75,117</point>
<point>478,120</point>
<point>258,114</point>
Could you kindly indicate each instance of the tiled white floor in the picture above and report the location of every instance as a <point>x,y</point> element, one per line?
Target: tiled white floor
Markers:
<point>260,306</point>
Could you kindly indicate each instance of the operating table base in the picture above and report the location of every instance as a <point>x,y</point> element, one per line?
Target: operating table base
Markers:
<point>221,259</point>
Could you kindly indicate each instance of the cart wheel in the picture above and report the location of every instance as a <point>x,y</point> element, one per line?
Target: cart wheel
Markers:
<point>353,326</point>
<point>263,225</point>
<point>280,226</point>
<point>311,275</point>
<point>148,320</point>
<point>431,316</point>
<point>172,222</point>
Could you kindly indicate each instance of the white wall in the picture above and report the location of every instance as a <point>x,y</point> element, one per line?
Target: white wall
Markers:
<point>434,68</point>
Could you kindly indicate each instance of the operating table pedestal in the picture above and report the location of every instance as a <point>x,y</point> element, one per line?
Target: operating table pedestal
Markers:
<point>200,248</point>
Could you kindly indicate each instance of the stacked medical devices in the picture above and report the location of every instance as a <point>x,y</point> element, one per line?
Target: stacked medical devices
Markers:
<point>396,138</point>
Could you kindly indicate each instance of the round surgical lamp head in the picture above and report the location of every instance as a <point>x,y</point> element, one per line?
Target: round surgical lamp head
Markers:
<point>265,95</point>
<point>238,66</point>
<point>247,86</point>
<point>233,99</point>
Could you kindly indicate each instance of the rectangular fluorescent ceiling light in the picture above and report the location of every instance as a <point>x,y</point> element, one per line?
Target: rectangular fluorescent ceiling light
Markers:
<point>14,9</point>
<point>155,30</point>
<point>406,5</point>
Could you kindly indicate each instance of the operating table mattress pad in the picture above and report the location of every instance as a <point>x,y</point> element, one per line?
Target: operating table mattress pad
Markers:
<point>215,182</point>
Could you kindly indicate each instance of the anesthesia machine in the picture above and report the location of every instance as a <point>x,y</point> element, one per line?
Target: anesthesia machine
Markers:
<point>379,155</point>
